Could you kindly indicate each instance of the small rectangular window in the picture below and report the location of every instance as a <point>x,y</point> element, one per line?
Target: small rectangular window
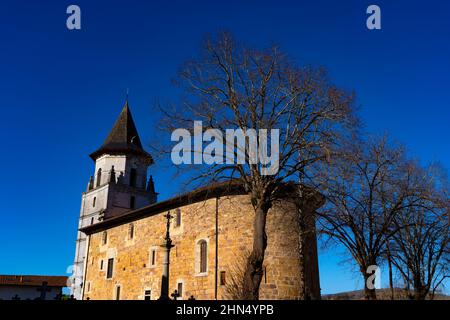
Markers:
<point>223,280</point>
<point>101,264</point>
<point>109,272</point>
<point>118,293</point>
<point>147,295</point>
<point>104,237</point>
<point>180,289</point>
<point>130,231</point>
<point>177,217</point>
<point>153,257</point>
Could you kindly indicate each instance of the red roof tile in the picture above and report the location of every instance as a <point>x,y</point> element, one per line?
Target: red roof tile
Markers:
<point>27,280</point>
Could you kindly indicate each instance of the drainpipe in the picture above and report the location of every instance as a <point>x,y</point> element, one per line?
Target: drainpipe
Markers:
<point>217,248</point>
<point>88,241</point>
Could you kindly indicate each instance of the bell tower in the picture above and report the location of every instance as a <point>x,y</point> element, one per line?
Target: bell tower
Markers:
<point>118,185</point>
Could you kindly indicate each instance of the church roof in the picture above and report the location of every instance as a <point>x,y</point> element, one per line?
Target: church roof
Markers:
<point>227,188</point>
<point>214,190</point>
<point>123,138</point>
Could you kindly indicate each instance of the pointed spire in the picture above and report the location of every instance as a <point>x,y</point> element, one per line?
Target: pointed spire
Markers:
<point>151,185</point>
<point>123,137</point>
<point>120,178</point>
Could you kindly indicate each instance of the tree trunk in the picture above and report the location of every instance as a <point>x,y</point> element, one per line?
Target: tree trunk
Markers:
<point>420,291</point>
<point>254,269</point>
<point>391,282</point>
<point>420,295</point>
<point>369,294</point>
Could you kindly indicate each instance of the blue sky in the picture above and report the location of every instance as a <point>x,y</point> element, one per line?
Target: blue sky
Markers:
<point>61,90</point>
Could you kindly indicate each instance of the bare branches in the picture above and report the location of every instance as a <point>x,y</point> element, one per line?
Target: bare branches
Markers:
<point>375,197</point>
<point>235,87</point>
<point>421,245</point>
<point>232,86</point>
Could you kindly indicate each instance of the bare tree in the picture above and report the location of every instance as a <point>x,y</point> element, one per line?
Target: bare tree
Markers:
<point>234,287</point>
<point>388,258</point>
<point>232,86</point>
<point>366,188</point>
<point>421,246</point>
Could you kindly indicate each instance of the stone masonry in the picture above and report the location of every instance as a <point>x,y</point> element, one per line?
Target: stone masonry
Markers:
<point>134,273</point>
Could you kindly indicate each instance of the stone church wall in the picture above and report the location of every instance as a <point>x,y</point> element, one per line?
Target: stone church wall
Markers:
<point>134,273</point>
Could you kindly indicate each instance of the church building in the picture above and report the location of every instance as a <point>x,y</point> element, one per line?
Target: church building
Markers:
<point>122,227</point>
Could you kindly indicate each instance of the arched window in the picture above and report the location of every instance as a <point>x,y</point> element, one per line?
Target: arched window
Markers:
<point>104,237</point>
<point>94,201</point>
<point>203,256</point>
<point>177,217</point>
<point>130,231</point>
<point>99,177</point>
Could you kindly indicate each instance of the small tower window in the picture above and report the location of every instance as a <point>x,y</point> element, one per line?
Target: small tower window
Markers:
<point>94,201</point>
<point>99,177</point>
<point>147,295</point>
<point>133,177</point>
<point>92,220</point>
<point>131,231</point>
<point>177,217</point>
<point>132,202</point>
<point>104,237</point>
